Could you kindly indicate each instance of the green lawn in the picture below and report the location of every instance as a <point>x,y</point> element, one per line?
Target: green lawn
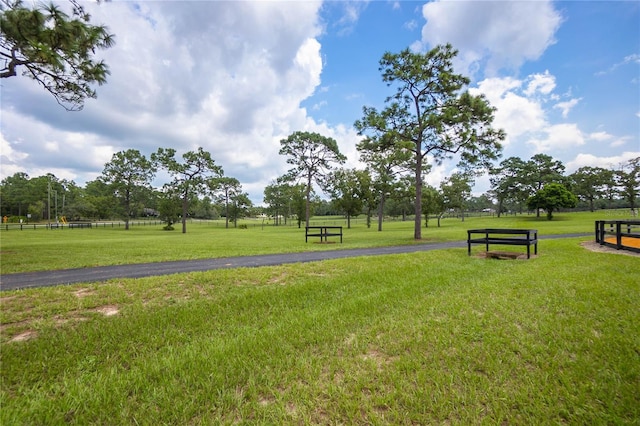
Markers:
<point>424,338</point>
<point>41,249</point>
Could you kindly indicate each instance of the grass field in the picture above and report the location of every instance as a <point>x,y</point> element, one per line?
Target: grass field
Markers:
<point>42,249</point>
<point>423,338</point>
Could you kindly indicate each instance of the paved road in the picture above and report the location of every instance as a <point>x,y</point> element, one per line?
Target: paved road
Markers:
<point>104,273</point>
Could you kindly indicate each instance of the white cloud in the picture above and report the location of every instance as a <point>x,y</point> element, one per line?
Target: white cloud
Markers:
<point>227,76</point>
<point>516,114</point>
<point>566,106</point>
<point>504,34</point>
<point>629,59</point>
<point>584,160</point>
<point>542,83</point>
<point>10,158</point>
<point>620,142</point>
<point>600,136</point>
<point>558,137</point>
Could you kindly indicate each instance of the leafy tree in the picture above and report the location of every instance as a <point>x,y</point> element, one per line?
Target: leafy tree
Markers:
<point>99,200</point>
<point>552,197</point>
<point>239,206</point>
<point>507,182</point>
<point>299,203</point>
<point>589,183</point>
<point>55,49</point>
<point>128,173</point>
<point>432,203</point>
<point>189,176</point>
<point>480,203</point>
<point>402,197</point>
<point>456,190</point>
<point>285,200</point>
<point>206,209</point>
<point>348,188</point>
<point>169,207</point>
<point>628,179</point>
<point>431,115</point>
<point>13,193</point>
<point>229,189</point>
<point>274,197</point>
<point>385,161</point>
<point>540,170</point>
<point>312,156</point>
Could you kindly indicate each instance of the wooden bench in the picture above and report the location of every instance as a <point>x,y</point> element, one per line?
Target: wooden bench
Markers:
<point>323,232</point>
<point>509,237</point>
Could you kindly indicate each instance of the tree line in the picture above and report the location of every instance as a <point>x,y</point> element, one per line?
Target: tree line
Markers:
<point>198,188</point>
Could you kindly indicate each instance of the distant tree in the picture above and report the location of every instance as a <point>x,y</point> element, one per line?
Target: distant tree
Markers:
<point>128,173</point>
<point>99,200</point>
<point>385,160</point>
<point>402,197</point>
<point>189,176</point>
<point>169,206</point>
<point>348,188</point>
<point>507,182</point>
<point>541,170</point>
<point>312,156</point>
<point>299,204</point>
<point>55,49</point>
<point>628,179</point>
<point>206,209</point>
<point>456,190</point>
<point>432,203</point>
<point>278,197</point>
<point>588,183</point>
<point>227,189</point>
<point>480,203</point>
<point>239,206</point>
<point>13,195</point>
<point>431,115</point>
<point>552,197</point>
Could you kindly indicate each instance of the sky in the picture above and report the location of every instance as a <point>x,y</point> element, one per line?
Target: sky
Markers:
<point>238,77</point>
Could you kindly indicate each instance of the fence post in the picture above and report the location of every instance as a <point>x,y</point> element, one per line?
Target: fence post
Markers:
<point>618,235</point>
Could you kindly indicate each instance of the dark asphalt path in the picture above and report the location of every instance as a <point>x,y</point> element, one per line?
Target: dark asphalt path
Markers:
<point>140,270</point>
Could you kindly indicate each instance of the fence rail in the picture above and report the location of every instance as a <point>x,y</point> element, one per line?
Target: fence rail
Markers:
<point>72,225</point>
<point>619,234</point>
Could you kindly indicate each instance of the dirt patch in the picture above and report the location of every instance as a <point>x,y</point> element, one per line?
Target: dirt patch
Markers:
<point>504,255</point>
<point>83,292</point>
<point>108,310</point>
<point>26,335</point>
<point>596,247</point>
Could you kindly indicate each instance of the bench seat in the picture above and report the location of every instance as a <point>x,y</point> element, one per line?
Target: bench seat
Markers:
<point>323,232</point>
<point>511,237</point>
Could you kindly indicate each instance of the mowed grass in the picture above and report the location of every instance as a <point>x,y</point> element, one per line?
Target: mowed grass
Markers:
<point>423,338</point>
<point>41,249</point>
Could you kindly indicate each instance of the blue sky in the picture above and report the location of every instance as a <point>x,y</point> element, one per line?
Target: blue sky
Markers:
<point>237,77</point>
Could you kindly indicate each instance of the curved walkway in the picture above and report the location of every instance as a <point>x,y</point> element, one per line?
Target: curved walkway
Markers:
<point>140,270</point>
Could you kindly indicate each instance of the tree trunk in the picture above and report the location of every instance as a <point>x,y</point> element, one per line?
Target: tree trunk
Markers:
<point>226,210</point>
<point>308,202</point>
<point>184,213</point>
<point>380,212</point>
<point>417,225</point>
